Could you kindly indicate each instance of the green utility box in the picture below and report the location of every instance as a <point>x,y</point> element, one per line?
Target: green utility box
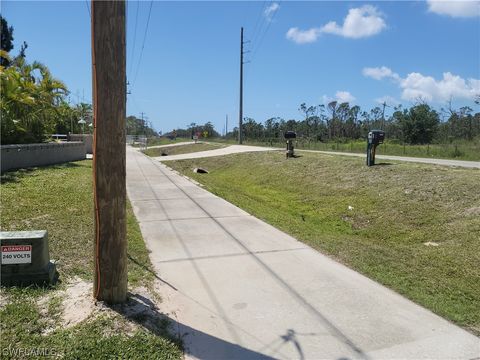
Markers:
<point>25,259</point>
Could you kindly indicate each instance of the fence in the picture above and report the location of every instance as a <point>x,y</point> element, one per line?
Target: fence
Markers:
<point>137,141</point>
<point>31,155</point>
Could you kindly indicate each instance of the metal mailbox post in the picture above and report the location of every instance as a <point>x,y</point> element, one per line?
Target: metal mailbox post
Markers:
<point>375,137</point>
<point>289,136</point>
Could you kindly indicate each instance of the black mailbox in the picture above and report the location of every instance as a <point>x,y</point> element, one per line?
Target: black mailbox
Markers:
<point>290,135</point>
<point>376,137</point>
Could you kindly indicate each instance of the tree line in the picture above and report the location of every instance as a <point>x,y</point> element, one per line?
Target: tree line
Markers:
<point>418,124</point>
<point>206,130</point>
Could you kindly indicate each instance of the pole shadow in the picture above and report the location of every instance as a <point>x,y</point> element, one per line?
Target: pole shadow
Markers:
<point>385,164</point>
<point>145,313</point>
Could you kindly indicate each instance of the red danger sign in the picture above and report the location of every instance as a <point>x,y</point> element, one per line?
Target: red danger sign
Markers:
<point>16,254</point>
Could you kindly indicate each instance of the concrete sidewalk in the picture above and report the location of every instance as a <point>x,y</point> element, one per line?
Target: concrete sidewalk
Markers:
<point>237,288</point>
<point>231,149</point>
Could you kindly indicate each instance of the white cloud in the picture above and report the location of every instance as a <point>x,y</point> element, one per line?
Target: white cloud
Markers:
<point>344,96</point>
<point>379,73</point>
<point>270,11</point>
<point>389,100</point>
<point>359,22</point>
<point>416,85</point>
<point>340,96</point>
<point>303,36</point>
<point>454,8</point>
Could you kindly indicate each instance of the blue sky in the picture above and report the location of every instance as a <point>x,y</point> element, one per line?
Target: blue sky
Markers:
<point>312,52</point>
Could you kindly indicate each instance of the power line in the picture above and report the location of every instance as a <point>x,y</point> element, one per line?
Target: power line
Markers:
<point>259,17</point>
<point>263,35</point>
<point>134,40</point>
<point>261,26</point>
<point>88,8</point>
<point>143,44</point>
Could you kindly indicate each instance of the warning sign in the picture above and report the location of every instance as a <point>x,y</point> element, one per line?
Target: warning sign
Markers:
<point>16,254</point>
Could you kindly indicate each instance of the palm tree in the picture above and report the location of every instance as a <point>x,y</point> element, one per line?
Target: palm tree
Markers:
<point>30,101</point>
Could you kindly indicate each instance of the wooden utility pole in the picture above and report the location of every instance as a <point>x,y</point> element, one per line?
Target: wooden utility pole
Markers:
<point>240,110</point>
<point>109,154</point>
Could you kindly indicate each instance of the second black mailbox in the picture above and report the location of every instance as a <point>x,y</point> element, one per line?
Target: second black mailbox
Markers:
<point>290,135</point>
<point>375,137</point>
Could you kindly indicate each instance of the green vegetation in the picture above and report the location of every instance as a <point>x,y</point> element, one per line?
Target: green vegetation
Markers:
<point>202,131</point>
<point>446,133</point>
<point>396,208</point>
<point>139,127</point>
<point>59,199</point>
<point>182,149</point>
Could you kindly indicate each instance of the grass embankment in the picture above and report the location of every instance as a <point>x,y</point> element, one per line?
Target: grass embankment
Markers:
<point>397,208</point>
<point>462,150</point>
<point>59,199</point>
<point>182,149</point>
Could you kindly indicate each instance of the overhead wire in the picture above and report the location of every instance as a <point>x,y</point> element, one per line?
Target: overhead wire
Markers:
<point>259,17</point>
<point>143,44</point>
<point>259,24</point>
<point>88,8</point>
<point>262,37</point>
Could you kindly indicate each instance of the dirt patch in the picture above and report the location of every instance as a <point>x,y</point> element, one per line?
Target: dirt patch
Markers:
<point>473,211</point>
<point>4,301</point>
<point>78,303</point>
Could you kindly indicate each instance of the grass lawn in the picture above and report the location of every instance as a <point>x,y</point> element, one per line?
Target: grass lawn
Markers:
<point>182,149</point>
<point>59,199</point>
<point>395,209</point>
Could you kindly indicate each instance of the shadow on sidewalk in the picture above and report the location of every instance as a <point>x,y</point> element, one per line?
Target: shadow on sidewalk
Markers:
<point>146,268</point>
<point>145,313</point>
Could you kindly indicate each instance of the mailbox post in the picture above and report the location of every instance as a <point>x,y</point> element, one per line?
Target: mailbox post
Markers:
<point>375,137</point>
<point>289,136</point>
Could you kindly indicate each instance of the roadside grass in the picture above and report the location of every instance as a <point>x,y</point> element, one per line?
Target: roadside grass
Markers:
<point>182,149</point>
<point>395,209</point>
<point>59,199</point>
<point>461,150</point>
